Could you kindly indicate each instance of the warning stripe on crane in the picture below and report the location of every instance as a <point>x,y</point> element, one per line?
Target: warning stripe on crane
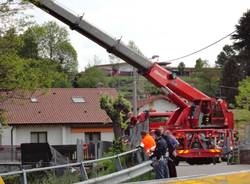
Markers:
<point>242,177</point>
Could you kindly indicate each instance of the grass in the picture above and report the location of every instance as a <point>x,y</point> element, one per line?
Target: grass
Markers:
<point>242,118</point>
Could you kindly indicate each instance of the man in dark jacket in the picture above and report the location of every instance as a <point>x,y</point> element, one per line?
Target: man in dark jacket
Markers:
<point>160,157</point>
<point>172,144</point>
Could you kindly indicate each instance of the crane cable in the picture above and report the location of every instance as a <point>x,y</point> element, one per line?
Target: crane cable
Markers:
<point>187,55</point>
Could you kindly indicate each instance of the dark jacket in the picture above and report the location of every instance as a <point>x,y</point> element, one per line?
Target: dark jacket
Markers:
<point>161,148</point>
<point>171,148</point>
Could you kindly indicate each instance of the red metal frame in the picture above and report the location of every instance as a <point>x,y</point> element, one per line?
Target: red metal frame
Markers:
<point>198,136</point>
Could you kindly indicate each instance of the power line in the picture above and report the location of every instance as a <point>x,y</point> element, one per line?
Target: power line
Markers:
<point>187,55</point>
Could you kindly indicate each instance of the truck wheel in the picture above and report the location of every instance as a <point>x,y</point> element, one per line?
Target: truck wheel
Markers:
<point>190,161</point>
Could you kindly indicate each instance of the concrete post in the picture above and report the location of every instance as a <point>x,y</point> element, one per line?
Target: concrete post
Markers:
<point>79,150</point>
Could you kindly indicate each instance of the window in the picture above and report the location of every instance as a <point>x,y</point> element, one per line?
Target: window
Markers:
<point>92,136</point>
<point>33,99</point>
<point>38,137</point>
<point>78,99</point>
<point>158,119</point>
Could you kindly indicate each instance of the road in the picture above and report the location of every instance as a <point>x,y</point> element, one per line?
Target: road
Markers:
<point>188,170</point>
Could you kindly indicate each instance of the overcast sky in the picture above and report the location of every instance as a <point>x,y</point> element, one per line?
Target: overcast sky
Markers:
<point>166,28</point>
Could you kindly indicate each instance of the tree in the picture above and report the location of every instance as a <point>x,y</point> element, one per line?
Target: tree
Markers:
<point>18,74</point>
<point>209,81</point>
<point>12,15</point>
<point>243,98</point>
<point>224,55</point>
<point>242,35</point>
<point>117,109</point>
<point>31,39</point>
<point>206,81</point>
<point>242,41</point>
<point>231,75</point>
<point>10,42</point>
<point>92,77</point>
<point>234,59</point>
<point>200,64</point>
<point>181,68</point>
<point>50,41</point>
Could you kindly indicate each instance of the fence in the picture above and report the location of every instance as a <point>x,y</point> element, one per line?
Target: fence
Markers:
<point>135,132</point>
<point>10,153</point>
<point>91,150</point>
<point>87,169</point>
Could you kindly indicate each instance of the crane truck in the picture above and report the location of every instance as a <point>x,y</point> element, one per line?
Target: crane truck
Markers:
<point>203,125</point>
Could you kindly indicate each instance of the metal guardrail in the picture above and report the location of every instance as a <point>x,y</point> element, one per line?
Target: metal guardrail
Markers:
<point>123,174</point>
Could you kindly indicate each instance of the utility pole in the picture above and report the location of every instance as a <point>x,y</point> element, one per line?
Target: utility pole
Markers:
<point>135,91</point>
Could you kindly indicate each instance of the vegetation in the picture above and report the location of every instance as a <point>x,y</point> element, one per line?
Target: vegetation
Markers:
<point>205,80</point>
<point>242,118</point>
<point>234,59</point>
<point>199,65</point>
<point>92,77</point>
<point>181,68</point>
<point>32,56</point>
<point>48,177</point>
<point>243,98</point>
<point>28,74</point>
<point>13,16</point>
<point>117,109</point>
<point>50,42</point>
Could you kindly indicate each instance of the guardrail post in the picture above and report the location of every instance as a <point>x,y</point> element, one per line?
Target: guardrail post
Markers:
<point>139,156</point>
<point>118,163</point>
<point>24,180</point>
<point>83,172</point>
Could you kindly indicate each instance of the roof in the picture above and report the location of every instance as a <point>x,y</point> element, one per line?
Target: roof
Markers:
<point>57,107</point>
<point>151,99</point>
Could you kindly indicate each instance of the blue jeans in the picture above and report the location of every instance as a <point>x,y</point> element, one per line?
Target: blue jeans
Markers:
<point>161,168</point>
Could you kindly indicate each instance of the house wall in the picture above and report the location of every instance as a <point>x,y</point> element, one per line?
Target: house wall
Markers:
<point>159,105</point>
<point>107,136</point>
<point>71,137</point>
<point>6,136</point>
<point>56,135</point>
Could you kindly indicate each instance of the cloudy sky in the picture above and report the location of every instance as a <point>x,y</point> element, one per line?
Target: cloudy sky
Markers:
<point>168,28</point>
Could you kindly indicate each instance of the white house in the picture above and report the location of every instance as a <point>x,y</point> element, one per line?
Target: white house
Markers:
<point>158,103</point>
<point>59,117</point>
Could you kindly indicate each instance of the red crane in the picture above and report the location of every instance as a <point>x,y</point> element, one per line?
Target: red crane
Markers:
<point>199,123</point>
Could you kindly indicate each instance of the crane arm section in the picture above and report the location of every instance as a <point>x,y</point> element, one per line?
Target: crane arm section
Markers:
<point>172,87</point>
<point>162,77</point>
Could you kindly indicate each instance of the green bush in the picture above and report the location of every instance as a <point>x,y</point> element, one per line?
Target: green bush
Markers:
<point>48,177</point>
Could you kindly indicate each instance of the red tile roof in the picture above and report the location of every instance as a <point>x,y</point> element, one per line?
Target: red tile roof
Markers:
<point>56,107</point>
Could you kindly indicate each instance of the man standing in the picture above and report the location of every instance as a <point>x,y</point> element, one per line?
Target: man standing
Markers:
<point>172,144</point>
<point>160,157</point>
<point>147,142</point>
